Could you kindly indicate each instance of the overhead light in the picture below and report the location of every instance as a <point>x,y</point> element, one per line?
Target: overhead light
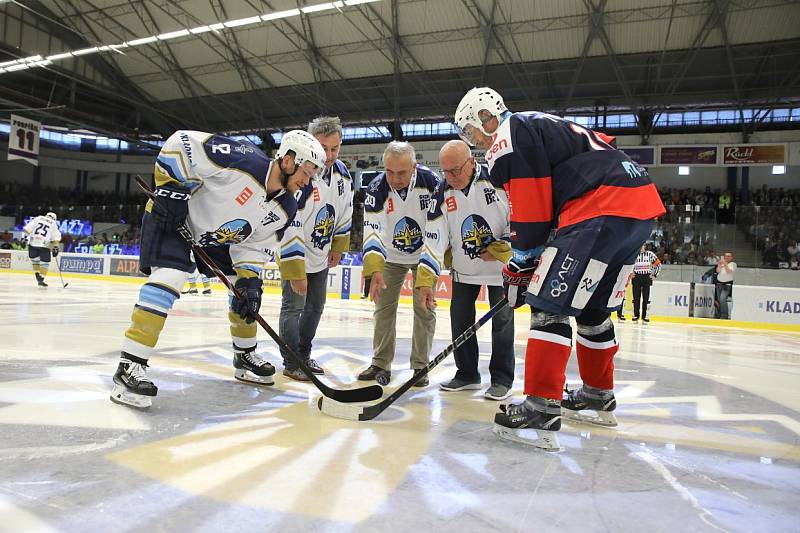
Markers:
<point>216,27</point>
<point>317,7</point>
<point>779,169</point>
<point>6,63</point>
<point>18,66</point>
<point>173,34</point>
<point>56,57</point>
<point>199,29</point>
<point>31,59</point>
<point>42,63</point>
<point>116,47</point>
<point>143,40</point>
<point>683,171</point>
<point>280,14</point>
<point>357,2</point>
<point>85,51</point>
<point>242,22</point>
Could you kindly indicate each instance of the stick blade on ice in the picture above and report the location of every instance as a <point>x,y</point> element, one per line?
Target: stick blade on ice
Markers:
<point>336,409</point>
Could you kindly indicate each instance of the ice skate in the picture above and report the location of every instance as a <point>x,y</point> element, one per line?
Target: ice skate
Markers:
<point>40,281</point>
<point>578,400</point>
<point>207,292</point>
<point>190,291</point>
<point>252,368</point>
<point>132,387</point>
<point>519,423</point>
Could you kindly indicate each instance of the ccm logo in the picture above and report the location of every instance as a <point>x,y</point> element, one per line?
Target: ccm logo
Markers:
<point>244,196</point>
<point>172,195</point>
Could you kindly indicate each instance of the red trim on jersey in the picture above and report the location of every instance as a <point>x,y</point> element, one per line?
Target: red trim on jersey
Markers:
<point>531,199</point>
<point>640,203</point>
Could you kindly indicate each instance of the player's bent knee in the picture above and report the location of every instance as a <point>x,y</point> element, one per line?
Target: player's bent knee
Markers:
<point>169,277</point>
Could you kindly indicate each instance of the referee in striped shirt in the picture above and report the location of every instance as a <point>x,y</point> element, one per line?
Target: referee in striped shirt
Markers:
<point>645,270</point>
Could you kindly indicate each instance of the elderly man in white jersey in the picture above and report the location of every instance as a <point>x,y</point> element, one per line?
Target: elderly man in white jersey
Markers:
<point>236,201</point>
<point>396,208</point>
<point>469,218</point>
<point>42,233</point>
<point>312,244</point>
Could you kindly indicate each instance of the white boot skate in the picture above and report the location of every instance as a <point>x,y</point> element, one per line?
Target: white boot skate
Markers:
<point>519,423</point>
<point>578,400</point>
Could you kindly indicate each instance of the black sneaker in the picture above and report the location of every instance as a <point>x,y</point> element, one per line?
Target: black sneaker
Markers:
<point>645,319</point>
<point>424,381</point>
<point>207,291</point>
<point>635,319</point>
<point>621,318</point>
<point>314,366</point>
<point>375,373</point>
<point>295,374</point>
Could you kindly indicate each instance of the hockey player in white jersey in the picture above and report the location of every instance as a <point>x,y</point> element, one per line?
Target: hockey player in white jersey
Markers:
<point>469,218</point>
<point>395,215</point>
<point>312,244</point>
<point>236,201</point>
<point>43,235</point>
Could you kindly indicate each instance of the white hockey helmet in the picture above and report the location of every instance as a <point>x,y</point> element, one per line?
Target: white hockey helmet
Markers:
<point>52,215</point>
<point>476,100</point>
<point>305,146</point>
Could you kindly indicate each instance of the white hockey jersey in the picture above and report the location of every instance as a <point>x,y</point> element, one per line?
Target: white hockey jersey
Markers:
<point>229,204</point>
<point>42,231</point>
<point>394,226</point>
<point>323,222</point>
<point>468,222</point>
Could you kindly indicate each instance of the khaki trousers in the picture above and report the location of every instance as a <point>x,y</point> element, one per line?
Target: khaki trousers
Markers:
<point>385,316</point>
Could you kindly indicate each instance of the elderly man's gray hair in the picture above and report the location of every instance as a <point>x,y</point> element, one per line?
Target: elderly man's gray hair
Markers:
<point>324,126</point>
<point>400,149</point>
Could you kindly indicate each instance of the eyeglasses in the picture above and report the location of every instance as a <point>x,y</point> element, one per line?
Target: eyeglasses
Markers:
<point>456,171</point>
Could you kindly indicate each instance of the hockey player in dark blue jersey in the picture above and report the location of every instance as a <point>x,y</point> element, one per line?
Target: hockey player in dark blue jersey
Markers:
<point>237,202</point>
<point>561,177</point>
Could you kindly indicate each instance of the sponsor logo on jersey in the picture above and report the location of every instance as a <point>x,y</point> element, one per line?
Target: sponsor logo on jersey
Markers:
<point>618,292</point>
<point>172,195</point>
<point>539,275</point>
<point>633,170</point>
<point>369,201</point>
<point>424,201</point>
<point>389,206</point>
<point>501,146</point>
<point>245,195</point>
<point>476,235</point>
<point>224,148</point>
<point>588,284</point>
<point>407,236</point>
<point>451,204</point>
<point>490,195</point>
<point>187,147</point>
<point>231,232</point>
<point>323,227</point>
<point>316,194</point>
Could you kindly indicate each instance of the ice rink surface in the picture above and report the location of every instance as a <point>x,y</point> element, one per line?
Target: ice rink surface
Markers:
<point>707,441</point>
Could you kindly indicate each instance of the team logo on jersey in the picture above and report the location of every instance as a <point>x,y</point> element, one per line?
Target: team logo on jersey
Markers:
<point>476,235</point>
<point>231,232</point>
<point>407,236</point>
<point>323,227</point>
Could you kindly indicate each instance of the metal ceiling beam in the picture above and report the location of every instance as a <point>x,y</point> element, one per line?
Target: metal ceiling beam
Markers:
<point>582,59</point>
<point>487,25</point>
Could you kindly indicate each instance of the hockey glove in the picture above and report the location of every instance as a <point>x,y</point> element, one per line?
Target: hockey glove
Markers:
<point>515,283</point>
<point>55,251</point>
<point>249,301</point>
<point>170,207</point>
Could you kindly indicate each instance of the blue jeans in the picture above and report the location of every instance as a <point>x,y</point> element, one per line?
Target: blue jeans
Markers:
<point>300,315</point>
<point>462,316</point>
<point>724,291</point>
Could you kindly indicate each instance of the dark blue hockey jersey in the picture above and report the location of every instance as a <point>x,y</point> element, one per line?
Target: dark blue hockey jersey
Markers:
<point>558,173</point>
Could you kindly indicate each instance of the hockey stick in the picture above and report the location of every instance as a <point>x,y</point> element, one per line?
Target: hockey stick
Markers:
<point>361,413</point>
<point>58,264</point>
<point>364,394</point>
